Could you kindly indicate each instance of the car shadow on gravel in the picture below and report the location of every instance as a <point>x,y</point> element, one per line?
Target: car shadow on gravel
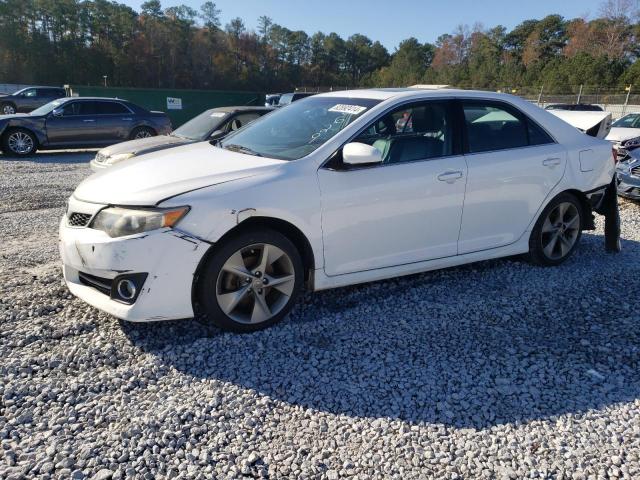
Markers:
<point>470,347</point>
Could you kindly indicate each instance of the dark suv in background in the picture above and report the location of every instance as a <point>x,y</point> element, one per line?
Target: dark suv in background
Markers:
<point>29,99</point>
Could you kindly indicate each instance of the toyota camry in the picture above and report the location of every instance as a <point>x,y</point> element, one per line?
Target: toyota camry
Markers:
<point>336,189</point>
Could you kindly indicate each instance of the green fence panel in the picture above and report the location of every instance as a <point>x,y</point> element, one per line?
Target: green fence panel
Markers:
<point>180,105</point>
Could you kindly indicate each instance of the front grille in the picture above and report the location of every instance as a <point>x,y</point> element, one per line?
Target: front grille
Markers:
<point>103,285</point>
<point>78,219</point>
<point>635,171</point>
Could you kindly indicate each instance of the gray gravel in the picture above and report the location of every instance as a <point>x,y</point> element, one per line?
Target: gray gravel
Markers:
<point>494,370</point>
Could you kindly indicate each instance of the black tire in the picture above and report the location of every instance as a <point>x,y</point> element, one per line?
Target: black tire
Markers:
<point>208,286</point>
<point>8,108</point>
<point>142,132</point>
<point>10,147</point>
<point>541,239</point>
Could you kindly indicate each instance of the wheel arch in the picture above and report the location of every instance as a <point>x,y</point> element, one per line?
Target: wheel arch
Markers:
<point>289,230</point>
<point>13,128</point>
<point>587,212</point>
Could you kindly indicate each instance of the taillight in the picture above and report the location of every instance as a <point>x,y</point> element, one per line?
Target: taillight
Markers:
<point>615,155</point>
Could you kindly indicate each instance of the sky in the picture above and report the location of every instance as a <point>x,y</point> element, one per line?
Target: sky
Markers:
<point>390,21</point>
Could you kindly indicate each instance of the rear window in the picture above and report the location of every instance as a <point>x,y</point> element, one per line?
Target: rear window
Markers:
<point>494,126</point>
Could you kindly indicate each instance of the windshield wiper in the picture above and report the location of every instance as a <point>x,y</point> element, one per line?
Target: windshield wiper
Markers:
<point>239,148</point>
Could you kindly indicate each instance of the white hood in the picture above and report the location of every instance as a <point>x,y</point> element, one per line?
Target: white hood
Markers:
<point>619,134</point>
<point>156,176</point>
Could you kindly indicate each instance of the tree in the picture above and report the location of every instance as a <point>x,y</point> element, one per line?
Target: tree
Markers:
<point>210,15</point>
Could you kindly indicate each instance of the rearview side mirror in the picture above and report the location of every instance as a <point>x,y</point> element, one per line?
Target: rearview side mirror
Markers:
<point>356,153</point>
<point>217,134</point>
<point>57,112</point>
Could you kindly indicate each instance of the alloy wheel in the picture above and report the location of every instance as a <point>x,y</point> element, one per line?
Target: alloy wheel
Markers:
<point>560,230</point>
<point>20,143</point>
<point>255,283</point>
<point>8,109</point>
<point>142,134</point>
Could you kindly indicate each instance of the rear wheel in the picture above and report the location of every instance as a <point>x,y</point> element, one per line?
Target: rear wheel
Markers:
<point>251,281</point>
<point>557,231</point>
<point>142,132</point>
<point>19,142</point>
<point>8,108</point>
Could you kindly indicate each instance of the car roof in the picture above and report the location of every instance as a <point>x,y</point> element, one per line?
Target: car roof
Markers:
<point>39,86</point>
<point>389,93</point>
<point>67,99</point>
<point>242,108</point>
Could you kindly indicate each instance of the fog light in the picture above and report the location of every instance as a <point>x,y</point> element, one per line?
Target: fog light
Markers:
<point>126,289</point>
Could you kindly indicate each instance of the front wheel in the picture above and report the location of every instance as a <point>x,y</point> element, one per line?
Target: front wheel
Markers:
<point>8,109</point>
<point>142,132</point>
<point>251,281</point>
<point>557,232</point>
<point>19,142</point>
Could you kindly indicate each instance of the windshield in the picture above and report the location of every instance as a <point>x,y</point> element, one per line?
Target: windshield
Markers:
<point>299,129</point>
<point>199,128</point>
<point>285,99</point>
<point>47,108</point>
<point>628,121</point>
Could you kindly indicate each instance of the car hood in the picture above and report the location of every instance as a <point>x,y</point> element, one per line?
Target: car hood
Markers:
<point>13,115</point>
<point>619,134</point>
<point>144,145</point>
<point>151,178</point>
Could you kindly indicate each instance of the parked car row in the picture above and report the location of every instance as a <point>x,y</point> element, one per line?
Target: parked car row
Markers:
<point>211,125</point>
<point>128,130</point>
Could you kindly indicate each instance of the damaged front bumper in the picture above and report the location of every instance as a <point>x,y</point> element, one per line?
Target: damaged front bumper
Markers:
<point>160,265</point>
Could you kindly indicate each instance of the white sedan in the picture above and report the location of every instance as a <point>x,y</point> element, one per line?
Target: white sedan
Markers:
<point>337,189</point>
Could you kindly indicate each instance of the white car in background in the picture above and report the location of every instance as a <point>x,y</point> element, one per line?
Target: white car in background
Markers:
<point>625,134</point>
<point>334,190</point>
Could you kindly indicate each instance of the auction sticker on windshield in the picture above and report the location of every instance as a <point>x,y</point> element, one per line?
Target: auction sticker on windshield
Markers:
<point>218,114</point>
<point>352,109</point>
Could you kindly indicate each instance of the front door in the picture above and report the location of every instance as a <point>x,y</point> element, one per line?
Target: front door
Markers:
<point>407,209</point>
<point>78,124</point>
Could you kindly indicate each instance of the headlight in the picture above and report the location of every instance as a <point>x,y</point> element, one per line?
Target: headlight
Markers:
<point>118,222</point>
<point>632,143</point>
<point>119,158</point>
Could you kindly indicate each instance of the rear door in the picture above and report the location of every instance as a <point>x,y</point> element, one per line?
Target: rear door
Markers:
<point>115,121</point>
<point>513,164</point>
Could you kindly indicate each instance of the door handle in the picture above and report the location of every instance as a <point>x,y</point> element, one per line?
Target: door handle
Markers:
<point>551,162</point>
<point>450,176</point>
<point>127,119</point>
<point>89,120</point>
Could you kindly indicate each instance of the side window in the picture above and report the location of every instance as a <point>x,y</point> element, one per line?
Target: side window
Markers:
<point>241,120</point>
<point>30,93</point>
<point>111,108</point>
<point>412,132</point>
<point>491,127</point>
<point>537,136</point>
<point>87,108</point>
<point>70,109</point>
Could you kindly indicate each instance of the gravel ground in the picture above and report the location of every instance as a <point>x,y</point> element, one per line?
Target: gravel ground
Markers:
<point>494,370</point>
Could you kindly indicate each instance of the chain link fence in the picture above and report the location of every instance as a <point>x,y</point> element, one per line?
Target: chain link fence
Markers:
<point>618,102</point>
